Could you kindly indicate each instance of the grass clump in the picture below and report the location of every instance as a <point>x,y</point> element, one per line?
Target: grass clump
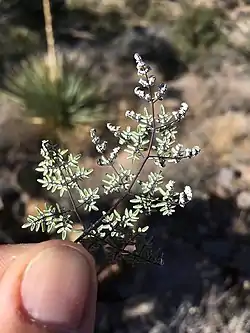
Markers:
<point>198,30</point>
<point>61,102</point>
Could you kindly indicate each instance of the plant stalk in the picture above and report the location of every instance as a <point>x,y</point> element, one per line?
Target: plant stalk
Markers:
<point>51,52</point>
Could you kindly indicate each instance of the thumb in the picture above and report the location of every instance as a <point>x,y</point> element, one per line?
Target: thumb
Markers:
<point>47,287</point>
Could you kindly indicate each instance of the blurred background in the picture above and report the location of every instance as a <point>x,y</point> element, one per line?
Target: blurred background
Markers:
<point>68,66</point>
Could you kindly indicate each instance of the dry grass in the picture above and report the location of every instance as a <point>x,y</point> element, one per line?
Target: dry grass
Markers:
<point>216,313</point>
<point>135,11</point>
<point>224,138</point>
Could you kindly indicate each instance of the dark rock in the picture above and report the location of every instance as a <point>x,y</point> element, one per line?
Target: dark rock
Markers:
<point>221,249</point>
<point>12,214</point>
<point>229,4</point>
<point>241,260</point>
<point>152,45</point>
<point>27,179</point>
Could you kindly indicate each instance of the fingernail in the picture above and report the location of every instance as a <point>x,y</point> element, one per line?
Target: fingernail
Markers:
<point>55,287</point>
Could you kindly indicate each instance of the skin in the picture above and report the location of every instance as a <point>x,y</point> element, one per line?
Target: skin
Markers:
<point>14,260</point>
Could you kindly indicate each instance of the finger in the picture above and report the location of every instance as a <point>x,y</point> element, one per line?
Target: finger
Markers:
<point>9,252</point>
<point>47,287</point>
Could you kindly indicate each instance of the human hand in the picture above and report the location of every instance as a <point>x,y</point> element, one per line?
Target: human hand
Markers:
<point>48,287</point>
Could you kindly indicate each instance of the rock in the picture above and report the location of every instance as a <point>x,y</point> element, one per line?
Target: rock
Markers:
<point>220,249</point>
<point>27,179</point>
<point>12,215</point>
<point>224,180</point>
<point>243,200</point>
<point>36,6</point>
<point>152,44</point>
<point>241,260</point>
